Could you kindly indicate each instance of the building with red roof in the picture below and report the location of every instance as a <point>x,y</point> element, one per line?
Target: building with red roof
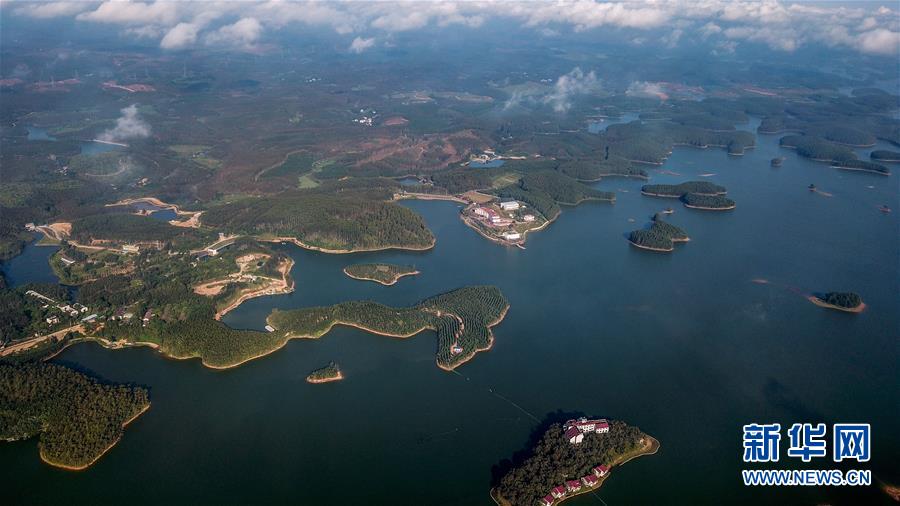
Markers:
<point>573,485</point>
<point>558,492</point>
<point>574,435</point>
<point>590,480</point>
<point>546,501</point>
<point>601,470</point>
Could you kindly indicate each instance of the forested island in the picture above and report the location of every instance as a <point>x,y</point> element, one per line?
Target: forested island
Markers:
<point>678,190</point>
<point>461,318</point>
<point>327,374</point>
<point>862,166</point>
<point>842,301</point>
<point>883,155</point>
<point>554,469</point>
<point>76,417</point>
<point>386,274</point>
<point>707,202</point>
<point>661,236</point>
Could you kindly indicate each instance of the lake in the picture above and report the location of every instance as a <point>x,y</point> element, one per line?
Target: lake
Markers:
<point>683,345</point>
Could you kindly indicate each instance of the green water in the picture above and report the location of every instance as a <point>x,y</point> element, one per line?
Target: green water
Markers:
<point>684,346</point>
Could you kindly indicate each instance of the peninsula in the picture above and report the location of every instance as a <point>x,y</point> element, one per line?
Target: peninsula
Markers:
<point>386,274</point>
<point>570,459</point>
<point>77,418</point>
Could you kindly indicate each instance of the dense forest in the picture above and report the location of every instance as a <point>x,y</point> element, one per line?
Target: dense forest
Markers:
<point>330,372</point>
<point>131,228</point>
<point>553,460</point>
<point>338,218</point>
<point>386,274</point>
<point>661,236</point>
<point>848,300</point>
<point>818,148</point>
<point>77,417</point>
<point>677,190</point>
<point>462,318</point>
<point>863,166</point>
<point>22,315</point>
<point>704,201</point>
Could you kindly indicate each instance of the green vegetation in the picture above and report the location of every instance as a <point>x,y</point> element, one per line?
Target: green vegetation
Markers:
<point>817,148</point>
<point>845,135</point>
<point>77,417</point>
<point>846,300</point>
<point>552,460</point>
<point>294,165</point>
<point>100,164</point>
<point>329,217</point>
<point>661,236</point>
<point>462,318</point>
<point>562,189</point>
<point>863,166</point>
<point>386,274</point>
<point>703,201</point>
<point>130,228</point>
<point>884,155</point>
<point>677,190</point>
<point>330,372</point>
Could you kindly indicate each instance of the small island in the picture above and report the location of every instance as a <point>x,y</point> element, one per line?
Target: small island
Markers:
<point>842,301</point>
<point>707,202</point>
<point>862,166</point>
<point>570,459</point>
<point>386,274</point>
<point>327,374</point>
<point>678,190</point>
<point>660,237</point>
<point>77,418</point>
<point>884,155</point>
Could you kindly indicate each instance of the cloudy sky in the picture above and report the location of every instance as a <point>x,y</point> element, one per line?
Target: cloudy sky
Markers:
<point>866,27</point>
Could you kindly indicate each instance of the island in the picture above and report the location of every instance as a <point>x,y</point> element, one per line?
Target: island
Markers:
<point>862,166</point>
<point>77,418</point>
<point>386,274</point>
<point>660,237</point>
<point>842,301</point>
<point>461,318</point>
<point>884,155</point>
<point>327,374</point>
<point>678,190</point>
<point>707,202</point>
<point>570,458</point>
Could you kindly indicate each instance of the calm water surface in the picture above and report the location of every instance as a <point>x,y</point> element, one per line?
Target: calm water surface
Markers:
<point>683,345</point>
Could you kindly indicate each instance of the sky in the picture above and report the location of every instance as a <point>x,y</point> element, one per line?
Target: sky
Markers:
<point>869,28</point>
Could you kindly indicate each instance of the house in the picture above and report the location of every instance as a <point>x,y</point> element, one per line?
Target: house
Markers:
<point>89,318</point>
<point>528,217</point>
<point>80,307</point>
<point>546,501</point>
<point>66,260</point>
<point>602,427</point>
<point>147,316</point>
<point>573,485</point>
<point>483,212</point>
<point>601,471</point>
<point>127,315</point>
<point>574,435</point>
<point>509,205</point>
<point>558,492</point>
<point>53,320</point>
<point>512,236</point>
<point>499,221</point>
<point>585,425</point>
<point>131,248</point>
<point>590,480</point>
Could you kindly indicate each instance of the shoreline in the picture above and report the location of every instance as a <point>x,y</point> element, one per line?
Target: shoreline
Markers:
<point>470,356</point>
<point>301,244</point>
<point>651,248</point>
<point>329,379</point>
<point>711,208</point>
<point>855,169</point>
<point>108,448</point>
<point>393,282</point>
<point>821,303</point>
<point>651,448</point>
<point>428,196</point>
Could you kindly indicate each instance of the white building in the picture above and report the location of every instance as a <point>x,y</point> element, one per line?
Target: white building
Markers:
<point>131,248</point>
<point>512,236</point>
<point>509,205</point>
<point>528,217</point>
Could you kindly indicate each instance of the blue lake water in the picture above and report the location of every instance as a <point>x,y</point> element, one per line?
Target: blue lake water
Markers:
<point>595,127</point>
<point>38,134</point>
<point>683,345</point>
<point>487,165</point>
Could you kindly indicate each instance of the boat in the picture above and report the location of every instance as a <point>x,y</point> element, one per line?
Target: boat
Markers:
<point>811,187</point>
<point>884,208</point>
<point>668,210</point>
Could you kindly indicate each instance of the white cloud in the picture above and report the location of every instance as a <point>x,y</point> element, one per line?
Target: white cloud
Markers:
<point>43,10</point>
<point>360,44</point>
<point>568,86</point>
<point>128,126</point>
<point>242,34</point>
<point>181,36</point>
<point>780,24</point>
<point>646,89</point>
